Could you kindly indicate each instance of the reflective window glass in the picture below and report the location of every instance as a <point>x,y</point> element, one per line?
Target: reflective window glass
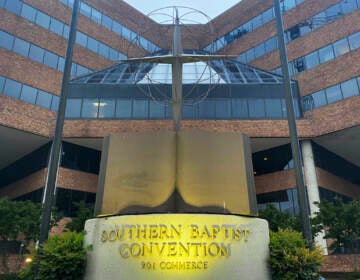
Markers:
<point>312,60</point>
<point>189,112</point>
<point>123,109</point>
<point>341,47</point>
<point>348,6</point>
<point>2,82</point>
<point>223,108</point>
<point>43,99</point>
<point>259,50</point>
<point>113,55</point>
<point>21,47</point>
<point>256,108</point>
<point>42,20</point>
<point>6,40</point>
<point>92,44</point>
<point>28,12</point>
<point>73,107</point>
<point>90,108</point>
<point>103,50</point>
<point>96,16</point>
<point>12,88</point>
<point>140,109</point>
<point>333,12</point>
<point>117,28</point>
<point>13,6</point>
<point>268,15</point>
<point>28,94</point>
<point>271,44</point>
<point>326,54</point>
<point>333,94</point>
<point>126,33</point>
<point>157,110</point>
<point>273,108</point>
<point>250,55</point>
<point>61,64</point>
<point>207,109</point>
<point>55,103</point>
<point>256,21</point>
<point>56,26</point>
<point>81,39</point>
<point>239,108</point>
<point>2,3</point>
<point>106,21</point>
<point>51,59</point>
<point>349,88</point>
<point>66,31</point>
<point>85,9</point>
<point>106,108</point>
<point>354,41</point>
<point>36,53</point>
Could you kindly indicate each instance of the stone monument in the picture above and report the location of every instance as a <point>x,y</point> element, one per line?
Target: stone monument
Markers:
<point>176,204</point>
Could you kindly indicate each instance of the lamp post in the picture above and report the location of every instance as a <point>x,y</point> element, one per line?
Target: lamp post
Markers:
<point>295,145</point>
<point>55,153</point>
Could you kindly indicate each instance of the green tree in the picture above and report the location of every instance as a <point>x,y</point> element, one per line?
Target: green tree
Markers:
<point>341,221</point>
<point>290,257</point>
<point>84,213</point>
<point>279,220</point>
<point>62,257</point>
<point>18,217</point>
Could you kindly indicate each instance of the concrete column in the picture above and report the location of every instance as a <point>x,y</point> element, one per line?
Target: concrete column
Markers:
<point>312,187</point>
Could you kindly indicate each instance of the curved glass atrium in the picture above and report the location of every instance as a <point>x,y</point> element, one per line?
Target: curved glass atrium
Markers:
<point>215,89</point>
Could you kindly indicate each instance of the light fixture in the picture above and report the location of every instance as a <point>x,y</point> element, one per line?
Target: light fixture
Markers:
<point>28,260</point>
<point>266,158</point>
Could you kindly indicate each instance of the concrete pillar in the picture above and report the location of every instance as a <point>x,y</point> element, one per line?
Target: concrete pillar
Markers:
<point>312,187</point>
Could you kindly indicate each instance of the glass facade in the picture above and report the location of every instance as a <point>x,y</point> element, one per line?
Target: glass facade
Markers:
<point>331,94</point>
<point>52,24</point>
<point>28,94</point>
<point>303,28</point>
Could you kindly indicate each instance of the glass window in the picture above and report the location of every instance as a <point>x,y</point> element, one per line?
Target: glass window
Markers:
<point>106,21</point>
<point>113,55</point>
<point>36,53</point>
<point>207,109</point>
<point>250,55</point>
<point>341,47</point>
<point>96,16</point>
<point>123,109</point>
<point>90,108</point>
<point>256,108</point>
<point>43,20</point>
<point>2,82</point>
<point>239,108</point>
<point>28,12</point>
<point>259,50</point>
<point>319,98</point>
<point>189,111</point>
<point>66,31</point>
<point>12,88</point>
<point>2,3</point>
<point>73,107</point>
<point>140,109</point>
<point>333,12</point>
<point>61,64</point>
<point>271,44</point>
<point>6,40</point>
<point>268,15</point>
<point>312,59</point>
<point>92,44</point>
<point>349,88</point>
<point>326,54</point>
<point>103,50</point>
<point>81,39</point>
<point>157,110</point>
<point>56,26</point>
<point>13,6</point>
<point>43,99</point>
<point>51,59</point>
<point>223,109</point>
<point>126,33</point>
<point>55,103</point>
<point>106,108</point>
<point>85,9</point>
<point>333,94</point>
<point>354,41</point>
<point>117,28</point>
<point>348,6</point>
<point>28,94</point>
<point>21,47</point>
<point>256,21</point>
<point>273,107</point>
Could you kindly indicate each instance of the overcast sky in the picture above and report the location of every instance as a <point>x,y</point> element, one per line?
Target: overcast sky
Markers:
<point>211,8</point>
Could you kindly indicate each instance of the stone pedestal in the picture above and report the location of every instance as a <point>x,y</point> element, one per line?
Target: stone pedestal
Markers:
<point>177,246</point>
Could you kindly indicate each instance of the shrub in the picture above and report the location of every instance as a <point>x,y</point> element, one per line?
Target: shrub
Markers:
<point>279,219</point>
<point>84,213</point>
<point>291,259</point>
<point>62,257</point>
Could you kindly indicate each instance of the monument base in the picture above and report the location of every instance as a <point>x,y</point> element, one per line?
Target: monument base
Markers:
<point>177,246</point>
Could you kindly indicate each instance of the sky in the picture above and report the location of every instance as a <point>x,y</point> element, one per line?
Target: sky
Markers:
<point>211,8</point>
